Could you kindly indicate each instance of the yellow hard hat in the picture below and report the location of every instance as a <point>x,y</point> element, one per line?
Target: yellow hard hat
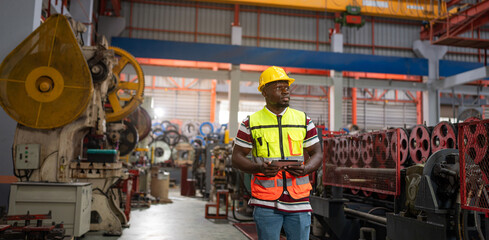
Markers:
<point>273,74</point>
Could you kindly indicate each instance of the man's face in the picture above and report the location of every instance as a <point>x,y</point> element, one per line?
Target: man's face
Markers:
<point>277,94</point>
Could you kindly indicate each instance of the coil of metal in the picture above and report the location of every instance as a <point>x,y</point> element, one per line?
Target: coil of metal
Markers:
<point>157,132</point>
<point>172,137</point>
<point>162,151</point>
<point>404,150</point>
<point>164,124</point>
<point>206,128</point>
<point>419,144</point>
<point>190,129</point>
<point>367,149</point>
<point>172,127</point>
<point>444,136</point>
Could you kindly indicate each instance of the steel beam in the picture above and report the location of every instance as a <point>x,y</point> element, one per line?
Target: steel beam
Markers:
<point>233,97</point>
<point>336,102</point>
<point>431,98</point>
<point>384,84</point>
<point>304,80</point>
<point>221,53</point>
<point>462,78</point>
<point>183,72</point>
<point>234,54</point>
<point>468,90</point>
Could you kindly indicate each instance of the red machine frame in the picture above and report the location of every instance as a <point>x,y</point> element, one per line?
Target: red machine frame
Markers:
<point>474,165</point>
<point>377,165</point>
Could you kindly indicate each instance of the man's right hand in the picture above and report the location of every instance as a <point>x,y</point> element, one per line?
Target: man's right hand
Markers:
<point>259,166</point>
<point>268,169</point>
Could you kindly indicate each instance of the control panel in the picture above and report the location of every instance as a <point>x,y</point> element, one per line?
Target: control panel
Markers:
<point>27,156</point>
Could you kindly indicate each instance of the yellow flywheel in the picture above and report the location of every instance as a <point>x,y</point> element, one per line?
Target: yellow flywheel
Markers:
<point>45,82</point>
<point>126,94</point>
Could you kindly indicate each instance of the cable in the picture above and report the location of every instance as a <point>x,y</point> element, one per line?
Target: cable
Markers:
<point>103,193</point>
<point>17,174</point>
<point>234,214</point>
<point>377,208</point>
<point>29,174</point>
<point>476,220</point>
<point>43,162</point>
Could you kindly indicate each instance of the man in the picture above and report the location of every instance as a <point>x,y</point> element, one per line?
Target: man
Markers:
<point>277,136</point>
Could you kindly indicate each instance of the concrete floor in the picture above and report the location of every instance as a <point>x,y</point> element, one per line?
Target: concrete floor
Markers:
<point>182,219</point>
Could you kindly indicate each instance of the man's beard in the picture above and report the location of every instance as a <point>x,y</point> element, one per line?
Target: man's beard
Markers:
<point>283,105</point>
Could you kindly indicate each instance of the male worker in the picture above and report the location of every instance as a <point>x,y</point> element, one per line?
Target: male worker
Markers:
<point>277,136</point>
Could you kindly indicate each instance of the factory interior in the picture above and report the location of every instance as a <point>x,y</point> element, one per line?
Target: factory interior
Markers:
<point>150,119</point>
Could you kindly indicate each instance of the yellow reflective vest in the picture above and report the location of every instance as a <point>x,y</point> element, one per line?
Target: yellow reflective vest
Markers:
<point>279,138</point>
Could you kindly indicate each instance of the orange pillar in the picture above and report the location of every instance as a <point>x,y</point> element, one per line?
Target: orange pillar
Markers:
<point>419,107</point>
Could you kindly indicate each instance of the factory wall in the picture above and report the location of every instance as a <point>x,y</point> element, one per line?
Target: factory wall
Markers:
<point>194,103</point>
<point>25,14</point>
<point>386,112</point>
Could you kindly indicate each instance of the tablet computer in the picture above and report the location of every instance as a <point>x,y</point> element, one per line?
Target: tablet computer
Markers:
<point>283,163</point>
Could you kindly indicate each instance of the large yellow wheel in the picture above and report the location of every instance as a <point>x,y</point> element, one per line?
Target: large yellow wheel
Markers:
<point>125,94</point>
<point>45,82</point>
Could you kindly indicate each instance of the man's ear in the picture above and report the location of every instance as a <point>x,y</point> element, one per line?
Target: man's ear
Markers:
<point>263,93</point>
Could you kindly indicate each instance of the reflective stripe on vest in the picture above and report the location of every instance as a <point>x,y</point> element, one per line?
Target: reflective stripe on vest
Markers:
<point>302,180</point>
<point>299,181</point>
<point>265,183</point>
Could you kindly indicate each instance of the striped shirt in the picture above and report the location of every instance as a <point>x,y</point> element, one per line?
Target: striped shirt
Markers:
<point>285,203</point>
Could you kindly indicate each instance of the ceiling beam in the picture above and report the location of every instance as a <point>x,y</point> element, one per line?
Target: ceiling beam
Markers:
<point>462,78</point>
<point>314,80</point>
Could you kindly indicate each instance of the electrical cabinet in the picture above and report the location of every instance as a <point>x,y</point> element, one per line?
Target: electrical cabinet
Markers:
<point>27,156</point>
<point>70,203</point>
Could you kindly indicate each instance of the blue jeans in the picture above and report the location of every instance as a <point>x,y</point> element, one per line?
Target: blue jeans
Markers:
<point>269,222</point>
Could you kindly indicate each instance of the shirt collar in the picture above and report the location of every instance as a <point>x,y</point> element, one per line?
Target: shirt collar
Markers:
<point>280,114</point>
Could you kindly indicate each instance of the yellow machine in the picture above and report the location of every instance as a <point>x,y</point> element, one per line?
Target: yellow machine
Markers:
<point>70,101</point>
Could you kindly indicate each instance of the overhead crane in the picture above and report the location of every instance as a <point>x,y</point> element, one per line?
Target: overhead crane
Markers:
<point>406,9</point>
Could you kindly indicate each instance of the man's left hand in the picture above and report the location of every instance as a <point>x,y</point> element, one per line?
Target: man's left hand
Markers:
<point>296,170</point>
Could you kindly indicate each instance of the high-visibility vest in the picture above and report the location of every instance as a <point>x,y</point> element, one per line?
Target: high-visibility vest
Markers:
<point>279,138</point>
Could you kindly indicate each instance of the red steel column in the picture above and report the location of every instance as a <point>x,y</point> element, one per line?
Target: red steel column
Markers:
<point>236,15</point>
<point>419,107</point>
